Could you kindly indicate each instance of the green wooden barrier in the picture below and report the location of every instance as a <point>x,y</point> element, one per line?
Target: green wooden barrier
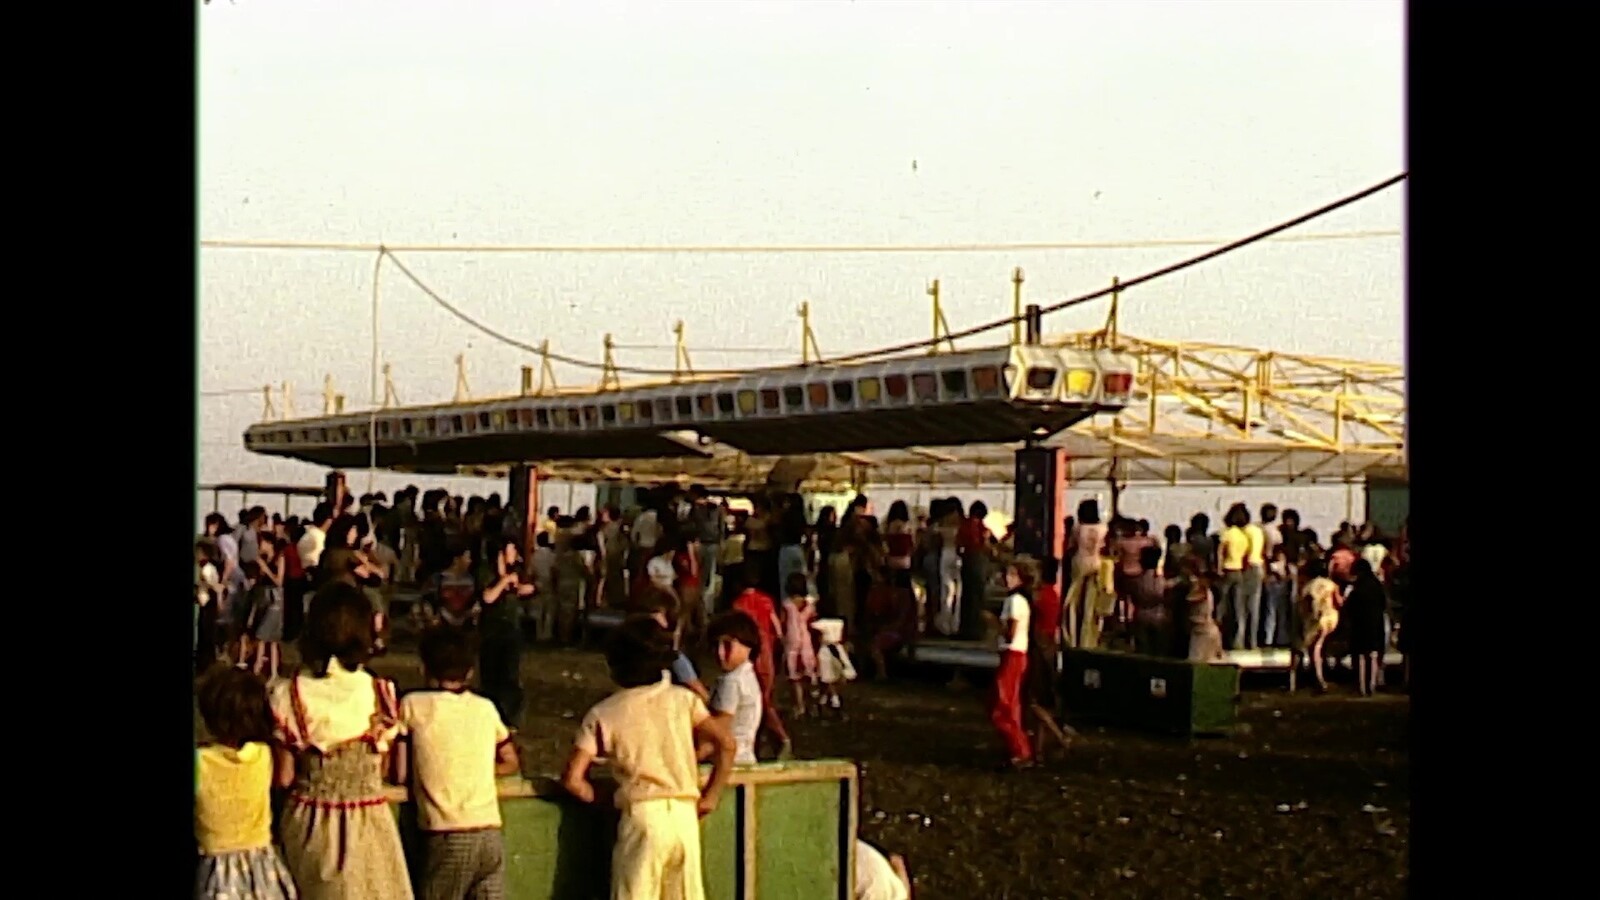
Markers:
<point>783,831</point>
<point>1152,693</point>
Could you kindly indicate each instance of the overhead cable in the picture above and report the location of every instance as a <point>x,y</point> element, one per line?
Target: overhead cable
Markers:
<point>910,346</point>
<point>653,249</point>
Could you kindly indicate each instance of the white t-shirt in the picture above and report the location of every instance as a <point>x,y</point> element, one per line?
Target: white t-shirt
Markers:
<point>1375,554</point>
<point>646,530</point>
<point>311,545</point>
<point>1015,609</point>
<point>661,572</point>
<point>453,742</point>
<point>875,878</point>
<point>738,694</point>
<point>207,585</point>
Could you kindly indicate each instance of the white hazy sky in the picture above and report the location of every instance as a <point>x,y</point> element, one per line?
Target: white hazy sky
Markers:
<point>740,123</point>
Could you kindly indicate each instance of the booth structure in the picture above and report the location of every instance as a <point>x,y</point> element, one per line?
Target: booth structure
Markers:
<point>783,831</point>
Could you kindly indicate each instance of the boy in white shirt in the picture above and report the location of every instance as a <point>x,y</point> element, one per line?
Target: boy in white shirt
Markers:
<point>1005,710</point>
<point>647,731</point>
<point>880,877</point>
<point>454,745</point>
<point>737,697</point>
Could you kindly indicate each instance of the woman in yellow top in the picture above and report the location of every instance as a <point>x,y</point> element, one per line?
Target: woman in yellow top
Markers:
<point>1241,580</point>
<point>233,789</point>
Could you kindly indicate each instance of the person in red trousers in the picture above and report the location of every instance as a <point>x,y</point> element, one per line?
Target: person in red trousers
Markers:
<point>1005,709</point>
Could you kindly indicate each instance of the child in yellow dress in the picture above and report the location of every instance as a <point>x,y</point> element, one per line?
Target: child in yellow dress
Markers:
<point>233,789</point>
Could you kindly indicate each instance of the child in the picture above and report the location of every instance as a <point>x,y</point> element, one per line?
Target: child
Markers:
<point>207,593</point>
<point>649,730</point>
<point>880,877</point>
<point>662,607</point>
<point>759,607</point>
<point>738,695</point>
<point>1317,612</point>
<point>266,608</point>
<point>800,657</point>
<point>1205,638</point>
<point>833,663</point>
<point>333,728</point>
<point>454,744</point>
<point>1005,708</point>
<point>233,790</point>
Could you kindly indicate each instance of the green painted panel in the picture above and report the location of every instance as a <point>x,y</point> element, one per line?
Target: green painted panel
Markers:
<point>560,849</point>
<point>798,856</point>
<point>1388,504</point>
<point>719,846</point>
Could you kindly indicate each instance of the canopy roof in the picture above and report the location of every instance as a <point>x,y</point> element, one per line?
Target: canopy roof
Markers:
<point>1200,413</point>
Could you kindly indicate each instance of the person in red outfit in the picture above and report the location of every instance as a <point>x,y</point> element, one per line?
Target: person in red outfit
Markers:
<point>756,604</point>
<point>1005,707</point>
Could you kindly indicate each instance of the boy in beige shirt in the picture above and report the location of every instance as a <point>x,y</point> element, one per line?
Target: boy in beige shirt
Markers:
<point>454,744</point>
<point>647,732</point>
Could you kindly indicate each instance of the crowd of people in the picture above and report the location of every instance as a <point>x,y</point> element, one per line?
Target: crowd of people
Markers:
<point>772,593</point>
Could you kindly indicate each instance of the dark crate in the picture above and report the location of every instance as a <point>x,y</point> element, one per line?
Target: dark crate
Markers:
<point>1149,693</point>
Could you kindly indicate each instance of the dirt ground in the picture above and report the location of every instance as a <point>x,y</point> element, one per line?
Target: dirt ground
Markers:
<point>1309,799</point>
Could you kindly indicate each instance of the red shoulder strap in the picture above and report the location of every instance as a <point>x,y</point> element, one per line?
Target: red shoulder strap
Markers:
<point>299,709</point>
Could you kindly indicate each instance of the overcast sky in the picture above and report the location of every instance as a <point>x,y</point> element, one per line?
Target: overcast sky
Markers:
<point>774,123</point>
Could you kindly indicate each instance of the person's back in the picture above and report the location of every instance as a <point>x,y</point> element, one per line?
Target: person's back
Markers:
<point>454,734</point>
<point>646,734</point>
<point>1235,549</point>
<point>233,789</point>
<point>454,743</point>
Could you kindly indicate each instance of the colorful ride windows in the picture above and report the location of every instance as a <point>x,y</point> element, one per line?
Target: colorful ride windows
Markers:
<point>497,419</point>
<point>818,395</point>
<point>1080,382</point>
<point>574,417</point>
<point>705,405</point>
<point>926,387</point>
<point>869,390</point>
<point>608,414</point>
<point>986,381</point>
<point>725,403</point>
<point>405,427</point>
<point>525,416</point>
<point>1041,378</point>
<point>665,408</point>
<point>1118,382</point>
<point>483,420</point>
<point>747,403</point>
<point>591,416</point>
<point>844,392</point>
<point>457,424</point>
<point>898,387</point>
<point>541,417</point>
<point>646,410</point>
<point>429,426</point>
<point>794,398</point>
<point>624,412</point>
<point>955,383</point>
<point>685,407</point>
<point>771,401</point>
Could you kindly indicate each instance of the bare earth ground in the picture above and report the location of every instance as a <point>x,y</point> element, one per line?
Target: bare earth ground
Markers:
<point>1309,799</point>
